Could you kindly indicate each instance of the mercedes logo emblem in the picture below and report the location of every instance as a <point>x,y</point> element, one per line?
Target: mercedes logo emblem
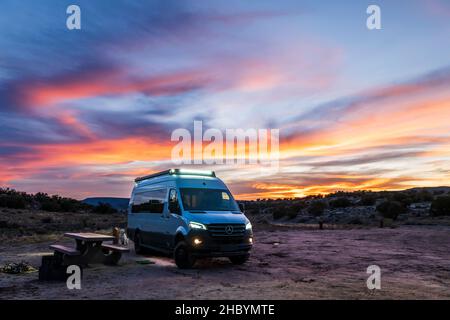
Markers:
<point>229,229</point>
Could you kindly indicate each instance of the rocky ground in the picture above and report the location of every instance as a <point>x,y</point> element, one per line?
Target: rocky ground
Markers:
<point>295,262</point>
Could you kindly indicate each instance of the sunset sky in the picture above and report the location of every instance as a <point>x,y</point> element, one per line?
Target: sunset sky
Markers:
<point>83,112</point>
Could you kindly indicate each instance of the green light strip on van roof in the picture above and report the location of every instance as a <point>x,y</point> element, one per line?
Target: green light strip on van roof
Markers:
<point>205,173</point>
<point>193,172</point>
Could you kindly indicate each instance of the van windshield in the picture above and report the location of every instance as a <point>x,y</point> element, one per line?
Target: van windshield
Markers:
<point>195,199</point>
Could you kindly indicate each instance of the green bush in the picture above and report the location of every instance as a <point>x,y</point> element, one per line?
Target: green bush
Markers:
<point>340,203</point>
<point>317,207</point>
<point>440,206</point>
<point>391,209</point>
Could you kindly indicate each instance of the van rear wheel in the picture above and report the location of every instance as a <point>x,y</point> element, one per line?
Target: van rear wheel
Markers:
<point>182,256</point>
<point>239,259</point>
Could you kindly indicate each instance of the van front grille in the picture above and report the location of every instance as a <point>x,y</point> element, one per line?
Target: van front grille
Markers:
<point>226,230</point>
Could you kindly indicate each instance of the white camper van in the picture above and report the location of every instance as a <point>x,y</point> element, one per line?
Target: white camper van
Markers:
<point>188,213</point>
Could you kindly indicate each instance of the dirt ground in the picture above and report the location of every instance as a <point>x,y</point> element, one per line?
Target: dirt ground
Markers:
<point>286,263</point>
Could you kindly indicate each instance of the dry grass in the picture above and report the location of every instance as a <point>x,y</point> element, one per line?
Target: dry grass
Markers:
<point>29,226</point>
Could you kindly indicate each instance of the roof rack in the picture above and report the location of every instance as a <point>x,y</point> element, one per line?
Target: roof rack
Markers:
<point>205,173</point>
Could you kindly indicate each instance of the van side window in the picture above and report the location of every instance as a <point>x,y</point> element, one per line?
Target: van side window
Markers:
<point>149,201</point>
<point>174,205</point>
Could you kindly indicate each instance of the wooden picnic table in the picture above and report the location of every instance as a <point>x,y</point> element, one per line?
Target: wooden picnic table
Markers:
<point>89,236</point>
<point>89,249</point>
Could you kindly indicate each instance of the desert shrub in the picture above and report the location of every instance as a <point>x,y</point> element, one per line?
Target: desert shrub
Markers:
<point>441,206</point>
<point>50,205</point>
<point>13,225</point>
<point>10,198</point>
<point>13,201</point>
<point>317,207</point>
<point>292,214</point>
<point>46,220</point>
<point>355,220</point>
<point>41,197</point>
<point>368,200</point>
<point>278,213</point>
<point>293,209</point>
<point>290,211</point>
<point>71,205</point>
<point>104,208</point>
<point>340,203</point>
<point>57,204</point>
<point>391,209</point>
<point>401,197</point>
<point>3,200</point>
<point>422,196</point>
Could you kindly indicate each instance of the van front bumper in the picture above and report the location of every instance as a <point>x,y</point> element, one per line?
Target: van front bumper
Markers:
<point>226,246</point>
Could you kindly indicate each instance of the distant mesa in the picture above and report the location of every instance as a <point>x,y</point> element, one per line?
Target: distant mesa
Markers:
<point>442,189</point>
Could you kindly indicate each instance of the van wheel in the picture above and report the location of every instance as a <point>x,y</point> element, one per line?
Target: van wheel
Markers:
<point>182,256</point>
<point>239,259</point>
<point>137,243</point>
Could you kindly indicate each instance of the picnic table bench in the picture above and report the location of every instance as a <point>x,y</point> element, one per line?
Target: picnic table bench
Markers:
<point>65,250</point>
<point>89,249</point>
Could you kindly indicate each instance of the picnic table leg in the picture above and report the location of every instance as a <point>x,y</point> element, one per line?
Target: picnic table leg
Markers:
<point>81,245</point>
<point>94,253</point>
<point>112,258</point>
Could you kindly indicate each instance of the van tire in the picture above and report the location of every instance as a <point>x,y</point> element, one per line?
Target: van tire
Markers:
<point>237,260</point>
<point>182,256</point>
<point>137,243</point>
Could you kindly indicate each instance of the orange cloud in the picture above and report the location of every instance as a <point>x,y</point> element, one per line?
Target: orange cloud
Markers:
<point>102,152</point>
<point>382,126</point>
<point>112,83</point>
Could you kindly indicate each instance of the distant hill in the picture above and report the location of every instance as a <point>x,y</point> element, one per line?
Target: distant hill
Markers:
<point>120,204</point>
<point>431,189</point>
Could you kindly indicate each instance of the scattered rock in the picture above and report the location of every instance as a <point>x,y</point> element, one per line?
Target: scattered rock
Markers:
<point>279,254</point>
<point>304,280</point>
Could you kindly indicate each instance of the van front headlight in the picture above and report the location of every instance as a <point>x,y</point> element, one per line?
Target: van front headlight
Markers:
<point>196,225</point>
<point>248,226</point>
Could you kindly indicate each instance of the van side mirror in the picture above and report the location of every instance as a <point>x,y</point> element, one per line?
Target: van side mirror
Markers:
<point>174,205</point>
<point>241,207</point>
